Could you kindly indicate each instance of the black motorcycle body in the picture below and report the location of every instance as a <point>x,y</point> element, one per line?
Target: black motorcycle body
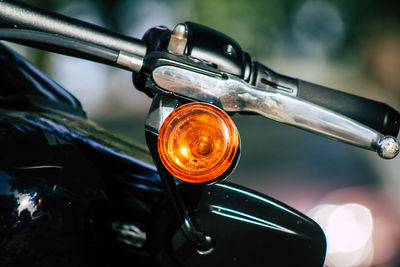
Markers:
<point>74,194</point>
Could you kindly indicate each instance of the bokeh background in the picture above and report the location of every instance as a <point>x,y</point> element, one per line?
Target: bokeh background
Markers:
<point>353,46</point>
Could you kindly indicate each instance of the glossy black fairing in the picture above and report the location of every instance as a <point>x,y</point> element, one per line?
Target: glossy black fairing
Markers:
<point>71,195</point>
<point>24,87</point>
<point>248,229</point>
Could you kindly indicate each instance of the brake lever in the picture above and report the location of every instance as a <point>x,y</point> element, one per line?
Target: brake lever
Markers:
<point>235,95</point>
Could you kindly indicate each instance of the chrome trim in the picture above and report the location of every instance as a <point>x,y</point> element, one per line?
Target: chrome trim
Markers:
<point>129,61</point>
<point>388,147</point>
<point>234,95</point>
<point>130,234</point>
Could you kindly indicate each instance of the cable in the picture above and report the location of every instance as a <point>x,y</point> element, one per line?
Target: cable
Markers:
<point>60,44</point>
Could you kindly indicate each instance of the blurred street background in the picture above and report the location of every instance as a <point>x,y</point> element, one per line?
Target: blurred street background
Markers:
<point>353,46</point>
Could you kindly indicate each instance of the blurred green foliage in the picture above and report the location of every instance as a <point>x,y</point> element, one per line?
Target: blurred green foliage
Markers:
<point>256,24</point>
<point>251,23</point>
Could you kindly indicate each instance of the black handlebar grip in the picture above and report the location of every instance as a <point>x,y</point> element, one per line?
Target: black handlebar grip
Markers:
<point>377,115</point>
<point>374,114</point>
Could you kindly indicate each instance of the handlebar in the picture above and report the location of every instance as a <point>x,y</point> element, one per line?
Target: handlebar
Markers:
<point>242,85</point>
<point>234,95</point>
<point>374,114</point>
<point>17,15</point>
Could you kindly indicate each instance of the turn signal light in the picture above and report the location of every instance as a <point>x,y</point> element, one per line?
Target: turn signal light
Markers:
<point>198,142</point>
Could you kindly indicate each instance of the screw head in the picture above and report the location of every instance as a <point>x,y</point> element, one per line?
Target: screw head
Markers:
<point>230,50</point>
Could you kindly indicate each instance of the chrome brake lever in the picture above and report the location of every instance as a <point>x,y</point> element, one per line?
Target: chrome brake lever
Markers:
<point>234,95</point>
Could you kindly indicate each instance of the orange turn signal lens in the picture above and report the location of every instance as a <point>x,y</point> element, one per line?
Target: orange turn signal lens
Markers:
<point>198,142</point>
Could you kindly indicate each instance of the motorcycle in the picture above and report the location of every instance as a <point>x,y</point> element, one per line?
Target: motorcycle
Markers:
<point>74,194</point>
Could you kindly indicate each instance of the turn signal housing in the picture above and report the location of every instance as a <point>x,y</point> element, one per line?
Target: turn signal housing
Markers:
<point>198,143</point>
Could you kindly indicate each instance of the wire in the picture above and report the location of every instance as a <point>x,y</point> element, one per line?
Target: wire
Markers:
<point>60,44</point>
